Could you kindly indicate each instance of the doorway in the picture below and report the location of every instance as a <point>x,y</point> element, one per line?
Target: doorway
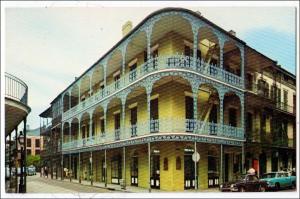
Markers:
<point>155,169</point>
<point>189,169</point>
<point>134,171</point>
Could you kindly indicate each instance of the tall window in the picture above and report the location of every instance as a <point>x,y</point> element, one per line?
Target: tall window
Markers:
<point>249,126</point>
<point>285,99</point>
<point>102,126</point>
<point>28,142</point>
<point>37,143</point>
<point>232,117</point>
<point>132,74</point>
<point>189,107</point>
<point>117,82</point>
<point>117,121</point>
<point>154,125</point>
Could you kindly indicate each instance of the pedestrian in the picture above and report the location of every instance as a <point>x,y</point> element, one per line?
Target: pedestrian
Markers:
<point>46,172</point>
<point>42,172</point>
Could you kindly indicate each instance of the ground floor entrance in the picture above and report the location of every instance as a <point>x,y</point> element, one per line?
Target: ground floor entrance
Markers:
<point>166,166</point>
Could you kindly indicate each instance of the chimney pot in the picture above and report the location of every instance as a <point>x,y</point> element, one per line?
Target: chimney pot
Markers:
<point>126,28</point>
<point>232,32</point>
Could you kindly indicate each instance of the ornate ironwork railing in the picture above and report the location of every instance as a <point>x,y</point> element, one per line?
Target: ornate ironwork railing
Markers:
<point>266,93</point>
<point>157,64</point>
<point>15,89</point>
<point>166,125</point>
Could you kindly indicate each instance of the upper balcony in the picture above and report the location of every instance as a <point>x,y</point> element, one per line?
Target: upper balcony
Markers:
<point>266,93</point>
<point>156,65</point>
<point>16,107</point>
<point>161,127</point>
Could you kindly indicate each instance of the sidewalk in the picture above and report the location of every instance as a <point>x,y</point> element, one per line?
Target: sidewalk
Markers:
<point>130,189</point>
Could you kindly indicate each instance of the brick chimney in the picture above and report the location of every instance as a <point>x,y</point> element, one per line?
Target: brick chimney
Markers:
<point>232,32</point>
<point>126,28</point>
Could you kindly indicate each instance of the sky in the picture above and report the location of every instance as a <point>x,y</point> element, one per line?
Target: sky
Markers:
<point>48,47</point>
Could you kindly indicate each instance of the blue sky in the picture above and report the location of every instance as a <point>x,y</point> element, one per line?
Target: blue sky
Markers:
<point>49,47</point>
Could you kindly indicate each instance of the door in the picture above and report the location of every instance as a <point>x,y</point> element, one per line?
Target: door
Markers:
<point>132,73</point>
<point>213,118</point>
<point>189,113</point>
<point>103,171</point>
<point>262,164</point>
<point>189,172</point>
<point>154,123</point>
<point>133,121</point>
<point>117,126</point>
<point>232,117</point>
<point>134,171</point>
<point>116,170</point>
<point>226,167</point>
<point>155,171</point>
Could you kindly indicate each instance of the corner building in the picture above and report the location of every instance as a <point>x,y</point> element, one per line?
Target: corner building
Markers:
<point>173,86</point>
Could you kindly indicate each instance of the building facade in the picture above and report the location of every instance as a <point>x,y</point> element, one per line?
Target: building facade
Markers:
<point>16,112</point>
<point>34,142</point>
<point>165,108</point>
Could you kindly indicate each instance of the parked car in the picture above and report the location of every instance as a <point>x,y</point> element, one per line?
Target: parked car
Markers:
<point>31,170</point>
<point>245,183</point>
<point>278,180</point>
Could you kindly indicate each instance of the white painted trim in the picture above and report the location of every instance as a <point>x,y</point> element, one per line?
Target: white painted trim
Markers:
<point>153,48</point>
<point>154,96</point>
<point>116,112</point>
<point>133,105</point>
<point>187,93</point>
<point>188,43</point>
<point>117,73</point>
<point>132,62</point>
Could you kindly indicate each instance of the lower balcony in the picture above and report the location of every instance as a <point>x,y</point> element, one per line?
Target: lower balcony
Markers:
<point>161,126</point>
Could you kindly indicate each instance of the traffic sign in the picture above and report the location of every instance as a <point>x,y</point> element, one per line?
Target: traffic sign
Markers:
<point>196,157</point>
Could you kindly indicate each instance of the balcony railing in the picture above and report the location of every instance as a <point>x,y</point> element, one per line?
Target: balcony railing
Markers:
<point>266,93</point>
<point>15,89</point>
<point>171,125</point>
<point>157,64</point>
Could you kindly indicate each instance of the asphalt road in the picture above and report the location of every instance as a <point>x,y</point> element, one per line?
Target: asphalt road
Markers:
<point>37,184</point>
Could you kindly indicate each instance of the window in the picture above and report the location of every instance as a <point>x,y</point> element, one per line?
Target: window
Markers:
<point>28,143</point>
<point>132,74</point>
<point>232,117</point>
<point>133,121</point>
<point>102,126</point>
<point>28,152</point>
<point>37,143</point>
<point>117,121</point>
<point>37,152</point>
<point>285,99</point>
<point>189,107</point>
<point>249,124</point>
<point>117,82</point>
<point>93,128</point>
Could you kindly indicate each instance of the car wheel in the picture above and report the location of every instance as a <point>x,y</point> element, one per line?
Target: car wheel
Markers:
<point>262,188</point>
<point>293,185</point>
<point>277,186</point>
<point>242,189</point>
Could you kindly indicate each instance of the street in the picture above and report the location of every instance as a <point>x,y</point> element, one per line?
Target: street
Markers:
<point>37,184</point>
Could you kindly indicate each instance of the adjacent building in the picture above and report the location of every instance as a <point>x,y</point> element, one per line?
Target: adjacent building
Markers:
<point>16,112</point>
<point>34,142</point>
<point>178,103</point>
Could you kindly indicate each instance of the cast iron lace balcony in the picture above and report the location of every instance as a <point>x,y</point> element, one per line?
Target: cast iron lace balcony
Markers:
<point>164,126</point>
<point>158,64</point>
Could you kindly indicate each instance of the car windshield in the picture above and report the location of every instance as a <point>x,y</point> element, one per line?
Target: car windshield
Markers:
<point>269,175</point>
